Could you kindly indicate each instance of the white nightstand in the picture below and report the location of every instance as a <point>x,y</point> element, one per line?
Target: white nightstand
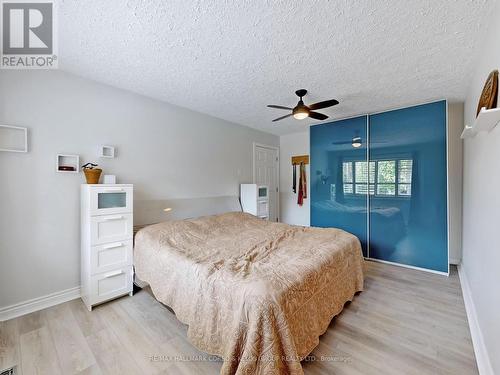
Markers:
<point>106,242</point>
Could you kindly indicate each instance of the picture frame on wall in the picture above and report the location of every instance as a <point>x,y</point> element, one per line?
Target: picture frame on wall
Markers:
<point>13,138</point>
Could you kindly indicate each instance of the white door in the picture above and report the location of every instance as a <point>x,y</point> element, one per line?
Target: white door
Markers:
<point>265,166</point>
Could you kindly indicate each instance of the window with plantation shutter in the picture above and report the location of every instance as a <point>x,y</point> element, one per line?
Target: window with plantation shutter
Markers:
<point>405,170</point>
<point>391,178</point>
<point>348,177</point>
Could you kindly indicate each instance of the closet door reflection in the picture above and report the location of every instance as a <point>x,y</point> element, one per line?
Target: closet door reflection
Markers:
<point>408,198</point>
<point>339,176</point>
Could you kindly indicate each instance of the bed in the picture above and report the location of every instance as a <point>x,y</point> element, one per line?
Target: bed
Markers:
<point>256,293</point>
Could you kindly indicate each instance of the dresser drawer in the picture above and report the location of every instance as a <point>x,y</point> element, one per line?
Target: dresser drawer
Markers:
<point>108,200</point>
<point>110,228</point>
<point>110,284</point>
<point>110,256</point>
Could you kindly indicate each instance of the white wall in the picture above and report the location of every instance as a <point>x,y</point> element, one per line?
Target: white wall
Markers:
<point>167,152</point>
<point>481,205</point>
<point>298,144</point>
<point>290,211</point>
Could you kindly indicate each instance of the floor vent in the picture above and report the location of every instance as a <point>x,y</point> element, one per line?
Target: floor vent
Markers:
<point>9,371</point>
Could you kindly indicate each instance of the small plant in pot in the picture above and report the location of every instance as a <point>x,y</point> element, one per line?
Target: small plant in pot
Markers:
<point>92,174</point>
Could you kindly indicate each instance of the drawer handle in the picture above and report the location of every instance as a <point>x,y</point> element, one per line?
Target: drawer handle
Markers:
<point>113,245</point>
<point>109,218</point>
<point>112,190</point>
<point>115,273</point>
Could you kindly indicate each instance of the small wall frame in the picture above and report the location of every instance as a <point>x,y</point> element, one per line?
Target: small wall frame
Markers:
<point>13,138</point>
<point>67,163</point>
<point>107,152</point>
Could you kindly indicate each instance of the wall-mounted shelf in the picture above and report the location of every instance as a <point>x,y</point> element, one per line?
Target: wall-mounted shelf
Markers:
<point>107,152</point>
<point>485,121</point>
<point>468,132</point>
<point>67,163</point>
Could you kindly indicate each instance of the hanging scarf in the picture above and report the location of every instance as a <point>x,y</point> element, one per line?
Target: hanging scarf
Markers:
<point>302,185</point>
<point>304,182</point>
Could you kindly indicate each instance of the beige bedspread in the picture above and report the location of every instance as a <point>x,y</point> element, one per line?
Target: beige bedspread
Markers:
<point>256,293</point>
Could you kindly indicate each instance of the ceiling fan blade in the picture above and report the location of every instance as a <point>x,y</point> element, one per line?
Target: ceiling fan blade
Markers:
<point>278,107</point>
<point>317,116</point>
<point>326,103</point>
<point>282,117</point>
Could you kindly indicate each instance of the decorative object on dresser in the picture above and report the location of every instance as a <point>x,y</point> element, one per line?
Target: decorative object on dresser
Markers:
<point>92,174</point>
<point>255,200</point>
<point>13,138</point>
<point>106,242</point>
<point>488,98</point>
<point>109,179</point>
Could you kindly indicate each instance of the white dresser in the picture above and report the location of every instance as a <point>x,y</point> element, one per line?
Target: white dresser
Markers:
<point>106,242</point>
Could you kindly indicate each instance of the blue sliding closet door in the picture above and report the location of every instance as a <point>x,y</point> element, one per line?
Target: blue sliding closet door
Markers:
<point>339,177</point>
<point>408,186</point>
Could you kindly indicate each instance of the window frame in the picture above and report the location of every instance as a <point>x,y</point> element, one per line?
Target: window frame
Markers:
<point>376,183</point>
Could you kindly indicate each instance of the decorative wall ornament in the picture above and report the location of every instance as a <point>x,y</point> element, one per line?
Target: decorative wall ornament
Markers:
<point>489,95</point>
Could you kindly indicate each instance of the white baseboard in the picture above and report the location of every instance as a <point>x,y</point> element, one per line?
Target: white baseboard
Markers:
<point>482,357</point>
<point>455,261</point>
<point>40,303</point>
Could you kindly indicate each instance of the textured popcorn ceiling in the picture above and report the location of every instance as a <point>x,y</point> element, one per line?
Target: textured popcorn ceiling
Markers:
<point>231,58</point>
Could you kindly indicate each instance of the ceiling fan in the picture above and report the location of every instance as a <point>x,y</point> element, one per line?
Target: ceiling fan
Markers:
<point>356,141</point>
<point>302,111</point>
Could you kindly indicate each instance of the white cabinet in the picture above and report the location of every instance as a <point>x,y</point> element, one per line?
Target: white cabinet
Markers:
<point>255,200</point>
<point>106,242</point>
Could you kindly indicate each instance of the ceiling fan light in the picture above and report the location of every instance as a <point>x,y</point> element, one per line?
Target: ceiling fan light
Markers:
<point>300,115</point>
<point>300,112</point>
<point>356,142</point>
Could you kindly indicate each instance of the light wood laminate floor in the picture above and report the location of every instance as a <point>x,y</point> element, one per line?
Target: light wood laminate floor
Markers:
<point>405,322</point>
